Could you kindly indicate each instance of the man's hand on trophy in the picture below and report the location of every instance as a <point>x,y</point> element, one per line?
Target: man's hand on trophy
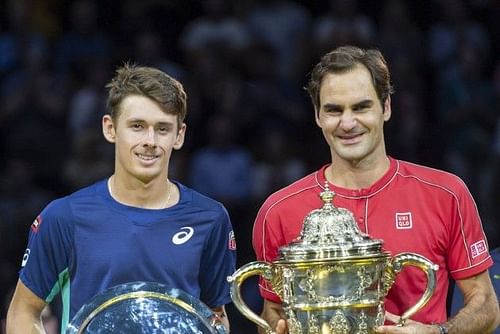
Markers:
<point>409,327</point>
<point>273,314</point>
<point>281,327</point>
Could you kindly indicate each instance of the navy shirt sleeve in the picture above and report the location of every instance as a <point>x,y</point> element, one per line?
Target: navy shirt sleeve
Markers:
<point>46,260</point>
<point>218,262</point>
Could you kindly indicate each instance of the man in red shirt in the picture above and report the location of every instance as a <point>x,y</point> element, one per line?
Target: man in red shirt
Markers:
<point>412,208</point>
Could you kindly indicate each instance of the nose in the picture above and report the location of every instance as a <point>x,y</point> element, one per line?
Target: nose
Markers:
<point>150,137</point>
<point>347,121</point>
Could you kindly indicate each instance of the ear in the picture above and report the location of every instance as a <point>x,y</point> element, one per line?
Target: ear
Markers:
<point>179,139</point>
<point>316,117</point>
<point>387,109</point>
<point>108,128</point>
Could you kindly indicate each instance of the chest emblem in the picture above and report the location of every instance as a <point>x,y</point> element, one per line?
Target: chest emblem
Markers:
<point>404,221</point>
<point>183,235</point>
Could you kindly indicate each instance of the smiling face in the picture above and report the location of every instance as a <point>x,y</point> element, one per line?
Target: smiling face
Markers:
<point>144,137</point>
<point>351,116</point>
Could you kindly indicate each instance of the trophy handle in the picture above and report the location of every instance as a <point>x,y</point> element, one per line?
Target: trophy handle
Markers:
<point>419,261</point>
<point>236,280</point>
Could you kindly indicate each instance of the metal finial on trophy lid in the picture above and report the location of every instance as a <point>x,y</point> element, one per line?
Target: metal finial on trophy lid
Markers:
<point>330,227</point>
<point>327,195</point>
<point>330,224</point>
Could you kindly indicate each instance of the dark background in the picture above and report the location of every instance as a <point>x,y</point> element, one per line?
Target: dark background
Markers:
<point>250,123</point>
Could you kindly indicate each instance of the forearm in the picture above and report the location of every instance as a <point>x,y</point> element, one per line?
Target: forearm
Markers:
<point>24,314</point>
<point>479,315</point>
<point>24,323</point>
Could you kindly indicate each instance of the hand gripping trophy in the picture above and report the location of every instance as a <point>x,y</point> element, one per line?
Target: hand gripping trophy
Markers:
<point>334,278</point>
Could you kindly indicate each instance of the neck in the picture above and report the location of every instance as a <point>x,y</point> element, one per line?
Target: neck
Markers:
<point>356,174</point>
<point>151,195</point>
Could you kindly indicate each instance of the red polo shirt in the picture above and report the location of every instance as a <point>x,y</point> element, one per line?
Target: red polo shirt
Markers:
<point>412,208</point>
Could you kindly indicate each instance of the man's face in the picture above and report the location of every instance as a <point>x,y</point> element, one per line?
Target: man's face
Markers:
<point>351,116</point>
<point>144,137</point>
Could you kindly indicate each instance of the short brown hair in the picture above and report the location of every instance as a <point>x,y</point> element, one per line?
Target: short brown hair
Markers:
<point>344,59</point>
<point>149,82</point>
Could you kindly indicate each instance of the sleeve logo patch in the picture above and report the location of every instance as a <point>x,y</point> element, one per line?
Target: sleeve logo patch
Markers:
<point>478,248</point>
<point>403,220</point>
<point>36,224</point>
<point>26,256</point>
<point>232,241</point>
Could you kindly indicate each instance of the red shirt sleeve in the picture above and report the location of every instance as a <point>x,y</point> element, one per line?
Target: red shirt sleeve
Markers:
<point>468,246</point>
<point>267,238</point>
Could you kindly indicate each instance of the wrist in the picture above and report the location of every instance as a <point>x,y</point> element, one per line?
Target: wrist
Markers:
<point>442,328</point>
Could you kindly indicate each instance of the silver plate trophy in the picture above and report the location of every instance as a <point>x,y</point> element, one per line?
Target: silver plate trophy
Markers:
<point>145,308</point>
<point>333,279</point>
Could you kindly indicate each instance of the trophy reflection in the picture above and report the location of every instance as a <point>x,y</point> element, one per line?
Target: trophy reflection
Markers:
<point>145,308</point>
<point>334,278</point>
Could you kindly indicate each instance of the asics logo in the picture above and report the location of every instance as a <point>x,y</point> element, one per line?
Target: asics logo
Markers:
<point>26,256</point>
<point>184,235</point>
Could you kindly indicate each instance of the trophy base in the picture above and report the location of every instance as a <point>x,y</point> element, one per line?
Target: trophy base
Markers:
<point>362,320</point>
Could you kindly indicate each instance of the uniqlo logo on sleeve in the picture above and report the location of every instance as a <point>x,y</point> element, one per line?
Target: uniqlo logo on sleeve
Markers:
<point>403,220</point>
<point>232,241</point>
<point>478,248</point>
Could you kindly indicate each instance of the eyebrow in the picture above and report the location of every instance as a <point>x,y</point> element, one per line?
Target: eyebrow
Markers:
<point>332,106</point>
<point>363,103</point>
<point>169,125</point>
<point>140,120</point>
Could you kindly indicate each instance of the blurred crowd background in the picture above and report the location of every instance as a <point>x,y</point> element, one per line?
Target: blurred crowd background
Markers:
<point>251,126</point>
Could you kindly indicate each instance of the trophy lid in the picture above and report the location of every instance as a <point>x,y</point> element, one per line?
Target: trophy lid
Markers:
<point>330,233</point>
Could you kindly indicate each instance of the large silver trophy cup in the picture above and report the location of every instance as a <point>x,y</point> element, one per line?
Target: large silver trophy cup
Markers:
<point>334,278</point>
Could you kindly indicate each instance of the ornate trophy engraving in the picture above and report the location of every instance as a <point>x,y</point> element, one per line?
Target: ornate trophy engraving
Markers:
<point>145,308</point>
<point>334,278</point>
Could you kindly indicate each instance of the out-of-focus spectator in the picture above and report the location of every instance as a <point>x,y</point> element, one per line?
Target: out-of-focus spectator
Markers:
<point>87,103</point>
<point>493,194</point>
<point>465,100</point>
<point>221,168</point>
<point>149,50</point>
<point>276,163</point>
<point>284,25</point>
<point>398,35</point>
<point>273,99</point>
<point>20,200</point>
<point>84,41</point>
<point>454,26</point>
<point>216,27</point>
<point>343,23</point>
<point>212,45</point>
<point>33,100</point>
<point>19,41</point>
<point>88,162</point>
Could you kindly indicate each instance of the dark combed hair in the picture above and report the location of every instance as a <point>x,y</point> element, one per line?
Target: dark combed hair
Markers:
<point>344,59</point>
<point>149,82</point>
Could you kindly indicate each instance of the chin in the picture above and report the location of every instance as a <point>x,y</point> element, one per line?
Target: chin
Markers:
<point>351,154</point>
<point>147,177</point>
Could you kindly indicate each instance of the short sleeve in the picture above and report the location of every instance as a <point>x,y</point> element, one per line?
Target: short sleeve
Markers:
<point>218,262</point>
<point>46,259</point>
<point>267,239</point>
<point>468,246</point>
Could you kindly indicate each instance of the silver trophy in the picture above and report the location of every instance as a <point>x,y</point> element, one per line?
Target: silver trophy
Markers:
<point>145,308</point>
<point>333,279</point>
